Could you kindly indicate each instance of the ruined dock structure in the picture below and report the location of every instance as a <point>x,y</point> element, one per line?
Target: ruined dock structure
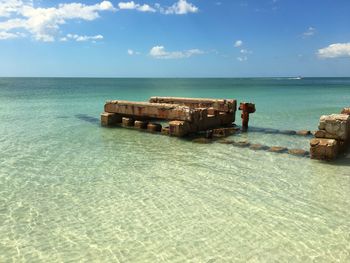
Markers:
<point>184,115</point>
<point>332,137</point>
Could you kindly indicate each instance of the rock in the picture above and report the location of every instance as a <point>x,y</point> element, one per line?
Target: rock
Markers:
<point>258,147</point>
<point>303,133</point>
<point>298,152</point>
<point>141,124</point>
<point>242,144</point>
<point>324,149</point>
<point>278,149</point>
<point>346,111</point>
<point>320,134</point>
<point>288,132</point>
<point>271,131</point>
<point>335,126</point>
<point>202,140</point>
<point>127,121</point>
<point>154,127</point>
<point>225,141</point>
<point>223,132</point>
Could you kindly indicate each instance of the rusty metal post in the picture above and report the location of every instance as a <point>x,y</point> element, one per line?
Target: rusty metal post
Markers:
<point>246,109</point>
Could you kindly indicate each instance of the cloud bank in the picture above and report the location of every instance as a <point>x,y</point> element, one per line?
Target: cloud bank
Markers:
<point>338,50</point>
<point>20,18</point>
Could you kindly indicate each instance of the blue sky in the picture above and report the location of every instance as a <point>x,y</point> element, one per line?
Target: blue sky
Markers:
<point>175,38</point>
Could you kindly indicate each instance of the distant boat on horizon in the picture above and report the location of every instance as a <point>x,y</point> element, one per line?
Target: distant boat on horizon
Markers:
<point>296,78</point>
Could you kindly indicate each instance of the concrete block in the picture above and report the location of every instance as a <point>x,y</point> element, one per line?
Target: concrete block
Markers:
<point>154,127</point>
<point>108,119</point>
<point>165,130</point>
<point>225,105</point>
<point>153,110</point>
<point>335,126</point>
<point>324,149</point>
<point>127,121</point>
<point>179,128</point>
<point>141,124</point>
<point>346,111</point>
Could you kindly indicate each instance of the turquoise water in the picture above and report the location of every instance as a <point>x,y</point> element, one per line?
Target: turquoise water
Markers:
<point>71,190</point>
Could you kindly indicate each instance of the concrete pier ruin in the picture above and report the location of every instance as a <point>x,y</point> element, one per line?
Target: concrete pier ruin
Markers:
<point>332,137</point>
<point>184,115</point>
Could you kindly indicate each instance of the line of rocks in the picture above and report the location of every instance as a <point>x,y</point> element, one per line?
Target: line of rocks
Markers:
<point>258,147</point>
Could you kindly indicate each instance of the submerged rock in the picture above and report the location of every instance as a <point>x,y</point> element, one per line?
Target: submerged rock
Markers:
<point>242,144</point>
<point>271,131</point>
<point>202,140</point>
<point>258,147</point>
<point>288,132</point>
<point>298,152</point>
<point>303,133</point>
<point>278,149</point>
<point>224,141</point>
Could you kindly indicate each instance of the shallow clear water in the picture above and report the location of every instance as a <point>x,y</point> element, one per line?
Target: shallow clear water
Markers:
<point>71,190</point>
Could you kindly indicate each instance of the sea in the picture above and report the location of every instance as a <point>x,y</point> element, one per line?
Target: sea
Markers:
<point>73,191</point>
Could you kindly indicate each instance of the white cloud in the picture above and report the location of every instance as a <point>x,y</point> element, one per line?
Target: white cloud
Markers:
<point>243,58</point>
<point>245,51</point>
<point>7,35</point>
<point>337,50</point>
<point>79,38</point>
<point>159,52</point>
<point>309,32</point>
<point>182,7</point>
<point>238,43</point>
<point>44,23</point>
<point>132,5</point>
<point>132,52</point>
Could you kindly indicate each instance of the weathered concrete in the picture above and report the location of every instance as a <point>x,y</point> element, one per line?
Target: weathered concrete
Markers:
<point>154,127</point>
<point>165,130</point>
<point>127,121</point>
<point>141,124</point>
<point>179,128</point>
<point>223,105</point>
<point>324,149</point>
<point>186,115</point>
<point>346,111</point>
<point>246,108</point>
<point>108,119</point>
<point>335,126</point>
<point>153,110</point>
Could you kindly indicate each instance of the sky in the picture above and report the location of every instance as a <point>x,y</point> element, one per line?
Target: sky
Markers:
<point>174,38</point>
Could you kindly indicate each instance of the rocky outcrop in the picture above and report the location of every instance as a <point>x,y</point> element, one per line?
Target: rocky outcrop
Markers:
<point>334,126</point>
<point>332,136</point>
<point>324,149</point>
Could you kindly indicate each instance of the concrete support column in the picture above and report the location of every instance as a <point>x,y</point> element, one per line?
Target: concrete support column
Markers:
<point>108,119</point>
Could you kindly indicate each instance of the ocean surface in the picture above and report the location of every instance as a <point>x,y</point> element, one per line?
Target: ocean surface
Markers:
<point>71,190</point>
